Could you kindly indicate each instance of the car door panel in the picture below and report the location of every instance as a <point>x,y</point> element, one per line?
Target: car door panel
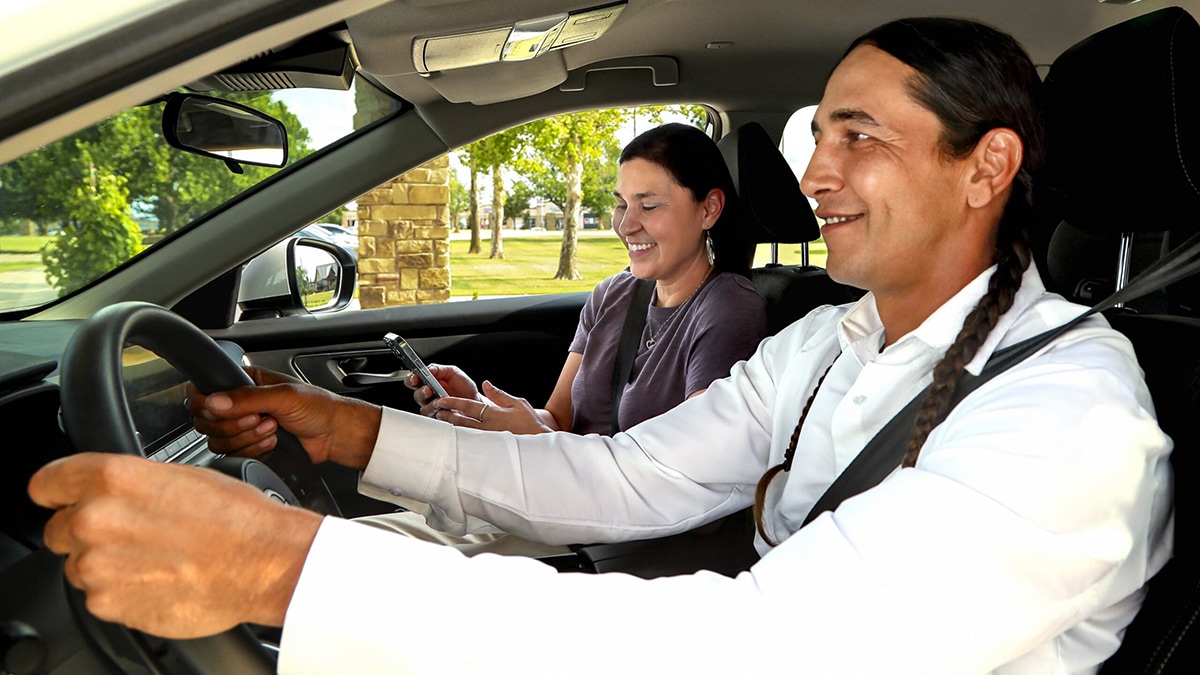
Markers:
<point>518,343</point>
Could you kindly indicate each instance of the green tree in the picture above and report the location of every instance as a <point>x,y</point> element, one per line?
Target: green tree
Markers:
<point>126,166</point>
<point>176,187</point>
<point>97,238</point>
<point>516,202</point>
<point>37,187</point>
<point>599,181</point>
<point>334,216</point>
<point>305,284</point>
<point>494,154</point>
<point>561,146</point>
<point>460,201</point>
<point>468,159</point>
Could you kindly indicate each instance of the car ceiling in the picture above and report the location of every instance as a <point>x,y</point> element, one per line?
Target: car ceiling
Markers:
<point>800,39</point>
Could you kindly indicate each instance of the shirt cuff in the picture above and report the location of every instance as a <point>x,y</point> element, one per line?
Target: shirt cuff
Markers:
<point>413,458</point>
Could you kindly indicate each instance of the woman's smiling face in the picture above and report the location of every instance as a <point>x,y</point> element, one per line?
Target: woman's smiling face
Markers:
<point>660,222</point>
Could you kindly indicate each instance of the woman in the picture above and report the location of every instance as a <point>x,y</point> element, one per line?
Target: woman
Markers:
<point>676,214</point>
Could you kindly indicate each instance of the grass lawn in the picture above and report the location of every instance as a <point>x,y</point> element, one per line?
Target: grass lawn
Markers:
<point>530,262</point>
<point>20,253</point>
<point>18,265</point>
<point>529,265</point>
<point>22,244</point>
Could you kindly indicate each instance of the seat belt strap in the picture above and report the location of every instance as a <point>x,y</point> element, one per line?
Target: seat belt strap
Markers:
<point>886,449</point>
<point>631,335</point>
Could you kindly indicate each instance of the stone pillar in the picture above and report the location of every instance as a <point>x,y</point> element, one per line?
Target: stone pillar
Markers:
<point>404,239</point>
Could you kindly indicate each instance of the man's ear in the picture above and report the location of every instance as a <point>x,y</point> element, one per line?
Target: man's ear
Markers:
<point>994,164</point>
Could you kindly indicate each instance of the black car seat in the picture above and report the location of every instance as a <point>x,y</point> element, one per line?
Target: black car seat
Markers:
<point>1083,267</point>
<point>774,211</point>
<point>1123,119</point>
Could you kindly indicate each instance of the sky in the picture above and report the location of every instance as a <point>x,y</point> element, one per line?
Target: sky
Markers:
<point>327,114</point>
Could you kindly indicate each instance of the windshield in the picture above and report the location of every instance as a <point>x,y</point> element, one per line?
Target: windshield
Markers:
<point>74,210</point>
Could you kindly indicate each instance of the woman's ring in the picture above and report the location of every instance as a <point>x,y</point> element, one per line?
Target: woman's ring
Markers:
<point>482,409</point>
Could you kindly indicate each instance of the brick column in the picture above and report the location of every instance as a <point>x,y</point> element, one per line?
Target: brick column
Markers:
<point>404,239</point>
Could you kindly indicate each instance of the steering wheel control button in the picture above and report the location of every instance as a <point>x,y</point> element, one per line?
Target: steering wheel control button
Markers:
<point>257,474</point>
<point>275,495</point>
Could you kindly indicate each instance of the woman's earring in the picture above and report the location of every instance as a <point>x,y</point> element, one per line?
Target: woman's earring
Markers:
<point>708,247</point>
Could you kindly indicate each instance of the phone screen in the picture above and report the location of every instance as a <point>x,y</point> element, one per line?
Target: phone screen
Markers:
<point>408,356</point>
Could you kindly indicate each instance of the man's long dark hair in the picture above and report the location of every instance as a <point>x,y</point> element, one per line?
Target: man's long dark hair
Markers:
<point>974,79</point>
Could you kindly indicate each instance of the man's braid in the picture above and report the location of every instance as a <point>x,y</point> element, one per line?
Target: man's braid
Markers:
<point>1002,288</point>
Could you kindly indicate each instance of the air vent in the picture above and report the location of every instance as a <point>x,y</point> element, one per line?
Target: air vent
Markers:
<point>253,81</point>
<point>321,61</point>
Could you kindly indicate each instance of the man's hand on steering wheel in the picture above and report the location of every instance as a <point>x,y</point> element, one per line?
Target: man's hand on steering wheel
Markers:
<point>243,421</point>
<point>177,551</point>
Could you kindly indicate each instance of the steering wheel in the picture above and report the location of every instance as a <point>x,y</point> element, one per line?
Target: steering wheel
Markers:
<point>96,414</point>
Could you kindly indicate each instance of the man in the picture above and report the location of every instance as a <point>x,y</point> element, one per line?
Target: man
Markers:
<point>1017,537</point>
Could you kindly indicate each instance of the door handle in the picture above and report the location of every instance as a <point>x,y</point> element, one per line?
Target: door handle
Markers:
<point>368,379</point>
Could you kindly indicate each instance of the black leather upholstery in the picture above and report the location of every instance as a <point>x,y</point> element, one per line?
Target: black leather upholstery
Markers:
<point>772,207</point>
<point>1123,140</point>
<point>1123,106</point>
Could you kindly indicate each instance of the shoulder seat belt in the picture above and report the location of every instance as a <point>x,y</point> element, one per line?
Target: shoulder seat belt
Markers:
<point>886,450</point>
<point>631,334</point>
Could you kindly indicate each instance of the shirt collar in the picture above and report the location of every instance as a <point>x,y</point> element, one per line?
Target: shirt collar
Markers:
<point>861,329</point>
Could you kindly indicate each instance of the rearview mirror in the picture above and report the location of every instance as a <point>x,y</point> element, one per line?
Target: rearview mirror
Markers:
<point>213,127</point>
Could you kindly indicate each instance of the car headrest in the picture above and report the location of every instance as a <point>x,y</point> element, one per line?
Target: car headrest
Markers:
<point>772,207</point>
<point>1123,128</point>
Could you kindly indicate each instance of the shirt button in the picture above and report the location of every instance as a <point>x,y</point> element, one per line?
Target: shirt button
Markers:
<point>395,492</point>
<point>858,400</point>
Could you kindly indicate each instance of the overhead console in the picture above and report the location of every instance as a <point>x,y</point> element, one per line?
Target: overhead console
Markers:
<point>520,42</point>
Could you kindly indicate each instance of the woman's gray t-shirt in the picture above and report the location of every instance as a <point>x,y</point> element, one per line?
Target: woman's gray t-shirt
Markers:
<point>721,324</point>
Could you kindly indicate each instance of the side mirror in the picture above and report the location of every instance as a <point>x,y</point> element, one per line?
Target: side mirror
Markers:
<point>296,276</point>
<point>213,127</point>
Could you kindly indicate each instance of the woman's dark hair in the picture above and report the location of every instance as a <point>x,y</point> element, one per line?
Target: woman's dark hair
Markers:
<point>974,79</point>
<point>694,161</point>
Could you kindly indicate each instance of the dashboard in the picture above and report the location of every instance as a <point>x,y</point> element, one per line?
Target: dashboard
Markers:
<point>156,391</point>
<point>29,405</point>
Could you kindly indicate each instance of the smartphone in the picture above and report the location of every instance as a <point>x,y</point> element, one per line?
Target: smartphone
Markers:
<point>408,356</point>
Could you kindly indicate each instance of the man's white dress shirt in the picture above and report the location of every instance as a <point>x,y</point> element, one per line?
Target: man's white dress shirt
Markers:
<point>1018,544</point>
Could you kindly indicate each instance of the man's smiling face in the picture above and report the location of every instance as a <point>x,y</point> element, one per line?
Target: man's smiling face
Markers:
<point>892,202</point>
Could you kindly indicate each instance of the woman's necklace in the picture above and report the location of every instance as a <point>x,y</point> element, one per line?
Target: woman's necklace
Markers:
<point>655,333</point>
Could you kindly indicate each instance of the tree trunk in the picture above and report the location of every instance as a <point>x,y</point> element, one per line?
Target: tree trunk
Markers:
<point>497,213</point>
<point>567,269</point>
<point>166,209</point>
<point>476,247</point>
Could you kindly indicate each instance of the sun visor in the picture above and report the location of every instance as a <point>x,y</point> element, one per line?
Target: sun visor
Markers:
<point>502,81</point>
